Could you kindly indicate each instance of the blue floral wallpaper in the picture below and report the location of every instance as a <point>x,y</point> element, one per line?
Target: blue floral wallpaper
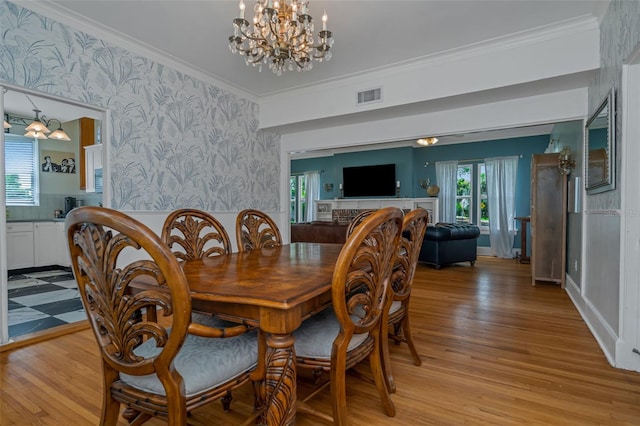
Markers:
<point>619,35</point>
<point>175,141</point>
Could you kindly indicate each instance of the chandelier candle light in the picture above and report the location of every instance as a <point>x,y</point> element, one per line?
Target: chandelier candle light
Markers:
<point>281,36</point>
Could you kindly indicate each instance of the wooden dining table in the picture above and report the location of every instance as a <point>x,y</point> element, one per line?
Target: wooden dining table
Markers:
<point>274,289</point>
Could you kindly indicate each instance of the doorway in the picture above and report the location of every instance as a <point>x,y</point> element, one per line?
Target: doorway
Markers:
<point>17,106</point>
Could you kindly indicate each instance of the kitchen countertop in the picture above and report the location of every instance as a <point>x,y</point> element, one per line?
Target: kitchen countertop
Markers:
<point>10,220</point>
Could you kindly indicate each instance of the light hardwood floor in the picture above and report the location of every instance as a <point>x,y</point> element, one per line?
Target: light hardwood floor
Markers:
<point>494,349</point>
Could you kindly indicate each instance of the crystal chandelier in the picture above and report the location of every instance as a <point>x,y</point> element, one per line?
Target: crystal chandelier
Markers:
<point>280,35</point>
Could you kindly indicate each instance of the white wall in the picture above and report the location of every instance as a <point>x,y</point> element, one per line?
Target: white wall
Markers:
<point>603,288</point>
<point>536,56</point>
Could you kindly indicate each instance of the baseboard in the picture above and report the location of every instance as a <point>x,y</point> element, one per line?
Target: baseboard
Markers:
<point>604,335</point>
<point>22,271</point>
<point>484,251</point>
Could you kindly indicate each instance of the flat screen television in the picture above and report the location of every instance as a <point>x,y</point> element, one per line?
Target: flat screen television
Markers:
<point>369,181</point>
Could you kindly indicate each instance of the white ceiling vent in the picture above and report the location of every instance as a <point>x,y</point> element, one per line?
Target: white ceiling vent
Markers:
<point>367,96</point>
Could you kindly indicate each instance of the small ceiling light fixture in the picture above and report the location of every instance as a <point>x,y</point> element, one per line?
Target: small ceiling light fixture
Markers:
<point>427,141</point>
<point>281,35</point>
<point>35,135</point>
<point>59,134</point>
<point>37,125</point>
<point>38,128</point>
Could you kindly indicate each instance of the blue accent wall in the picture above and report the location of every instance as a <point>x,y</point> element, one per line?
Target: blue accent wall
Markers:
<point>331,167</point>
<point>410,167</point>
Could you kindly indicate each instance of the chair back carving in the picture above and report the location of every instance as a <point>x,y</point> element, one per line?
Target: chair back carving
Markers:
<point>413,229</point>
<point>108,251</point>
<point>357,220</point>
<point>255,229</point>
<point>194,234</point>
<point>361,278</point>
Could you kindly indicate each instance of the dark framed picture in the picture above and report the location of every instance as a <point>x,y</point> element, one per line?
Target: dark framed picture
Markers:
<point>58,162</point>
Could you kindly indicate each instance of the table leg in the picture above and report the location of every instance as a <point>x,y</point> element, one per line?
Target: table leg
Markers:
<point>280,381</point>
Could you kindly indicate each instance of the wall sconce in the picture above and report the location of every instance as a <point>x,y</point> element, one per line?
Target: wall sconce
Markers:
<point>565,163</point>
<point>328,187</point>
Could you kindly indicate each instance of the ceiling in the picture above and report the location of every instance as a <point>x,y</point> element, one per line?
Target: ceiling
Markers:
<point>369,34</point>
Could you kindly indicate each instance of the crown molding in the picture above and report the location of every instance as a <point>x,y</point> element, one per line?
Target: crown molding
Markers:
<point>557,30</point>
<point>566,28</point>
<point>71,18</point>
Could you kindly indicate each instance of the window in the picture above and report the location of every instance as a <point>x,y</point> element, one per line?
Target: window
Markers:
<point>464,195</point>
<point>297,198</point>
<point>483,204</point>
<point>21,171</point>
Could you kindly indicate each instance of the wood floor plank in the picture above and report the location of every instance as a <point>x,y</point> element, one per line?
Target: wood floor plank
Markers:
<point>495,350</point>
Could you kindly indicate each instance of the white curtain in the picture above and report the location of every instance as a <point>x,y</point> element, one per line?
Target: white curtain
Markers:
<point>501,193</point>
<point>312,180</point>
<point>446,172</point>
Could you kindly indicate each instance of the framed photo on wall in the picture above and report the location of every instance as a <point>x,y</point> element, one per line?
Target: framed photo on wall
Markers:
<point>58,162</point>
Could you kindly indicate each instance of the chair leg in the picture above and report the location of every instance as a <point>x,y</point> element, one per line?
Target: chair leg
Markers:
<point>406,331</point>
<point>316,376</point>
<point>226,402</point>
<point>386,358</point>
<point>396,336</point>
<point>376,361</point>
<point>110,407</point>
<point>338,389</point>
<point>110,413</point>
<point>140,419</point>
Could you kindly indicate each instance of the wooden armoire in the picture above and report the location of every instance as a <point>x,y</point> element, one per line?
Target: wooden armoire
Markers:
<point>548,220</point>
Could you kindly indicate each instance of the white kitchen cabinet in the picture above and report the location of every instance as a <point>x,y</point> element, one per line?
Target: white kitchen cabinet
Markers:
<point>20,245</point>
<point>93,161</point>
<point>46,246</point>
<point>32,244</point>
<point>64,259</point>
<point>50,244</point>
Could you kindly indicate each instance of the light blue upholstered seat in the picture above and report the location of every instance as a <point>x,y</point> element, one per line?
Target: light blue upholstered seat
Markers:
<point>202,362</point>
<point>314,338</point>
<point>395,305</point>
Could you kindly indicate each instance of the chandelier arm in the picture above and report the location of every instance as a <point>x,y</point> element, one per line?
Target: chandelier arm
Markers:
<point>300,65</point>
<point>273,30</point>
<point>251,37</point>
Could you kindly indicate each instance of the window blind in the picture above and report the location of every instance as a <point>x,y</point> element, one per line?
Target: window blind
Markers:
<point>21,171</point>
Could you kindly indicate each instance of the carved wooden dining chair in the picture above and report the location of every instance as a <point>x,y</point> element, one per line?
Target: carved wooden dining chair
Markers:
<point>339,337</point>
<point>127,277</point>
<point>193,234</point>
<point>413,228</point>
<point>255,229</point>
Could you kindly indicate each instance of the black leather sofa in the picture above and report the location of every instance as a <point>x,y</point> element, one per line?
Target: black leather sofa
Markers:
<point>448,243</point>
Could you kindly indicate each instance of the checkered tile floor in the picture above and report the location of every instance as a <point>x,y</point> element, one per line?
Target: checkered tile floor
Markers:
<point>42,300</point>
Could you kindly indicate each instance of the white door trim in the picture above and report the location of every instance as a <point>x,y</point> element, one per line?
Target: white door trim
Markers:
<point>629,333</point>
